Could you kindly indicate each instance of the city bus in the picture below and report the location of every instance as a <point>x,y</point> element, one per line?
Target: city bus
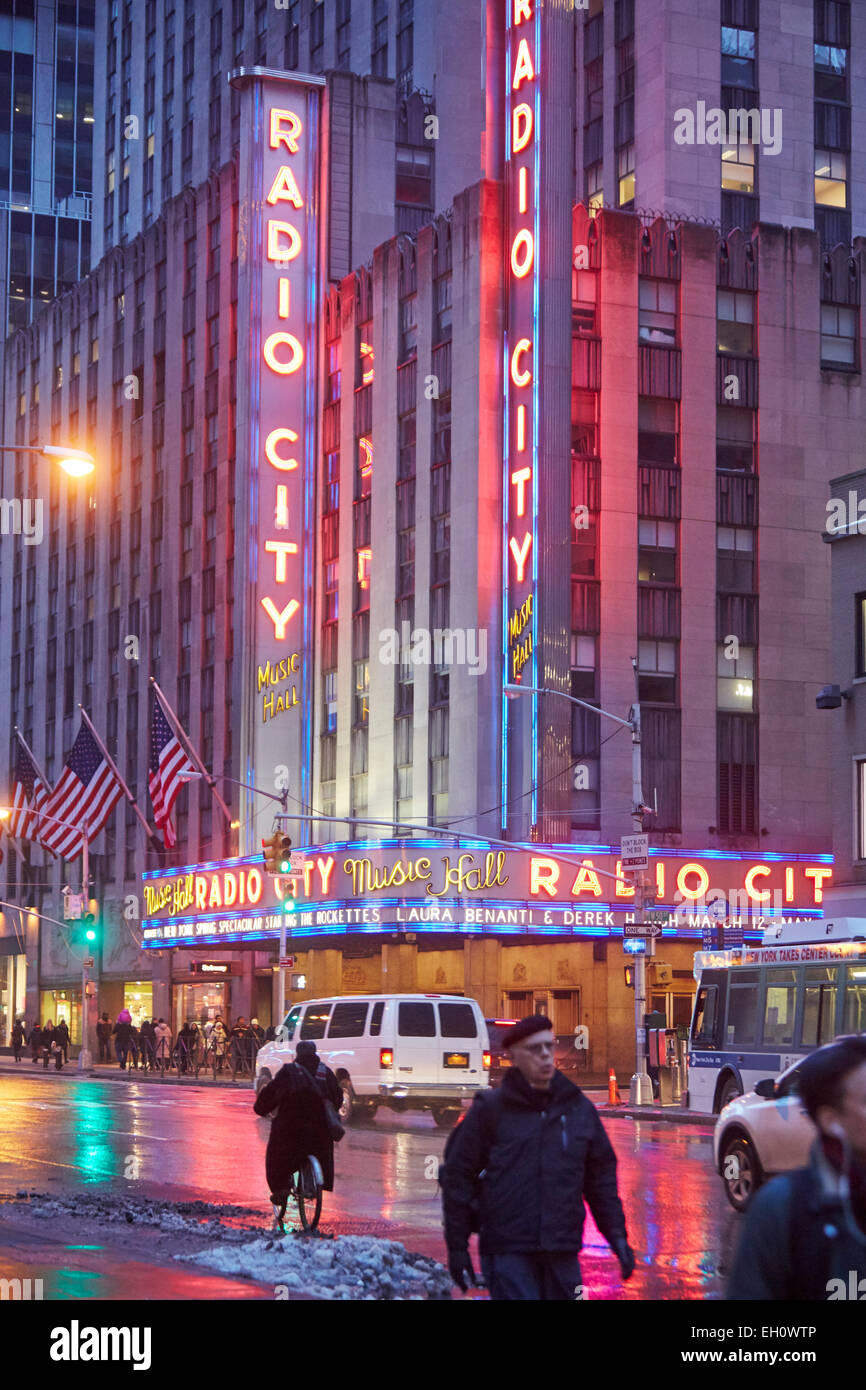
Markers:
<point>760,1009</point>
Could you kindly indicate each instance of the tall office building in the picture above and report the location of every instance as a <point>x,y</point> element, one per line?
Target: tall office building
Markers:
<point>46,137</point>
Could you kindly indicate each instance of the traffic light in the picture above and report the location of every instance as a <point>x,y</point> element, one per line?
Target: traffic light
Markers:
<point>629,972</point>
<point>85,934</point>
<point>285,846</point>
<point>271,849</point>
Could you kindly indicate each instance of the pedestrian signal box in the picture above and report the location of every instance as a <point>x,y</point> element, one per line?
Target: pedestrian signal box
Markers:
<point>629,973</point>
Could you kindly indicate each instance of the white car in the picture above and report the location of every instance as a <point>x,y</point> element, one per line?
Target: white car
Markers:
<point>403,1051</point>
<point>762,1133</point>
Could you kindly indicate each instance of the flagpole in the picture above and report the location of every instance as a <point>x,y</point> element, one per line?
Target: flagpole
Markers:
<point>24,744</point>
<point>188,748</point>
<point>22,740</point>
<point>111,763</point>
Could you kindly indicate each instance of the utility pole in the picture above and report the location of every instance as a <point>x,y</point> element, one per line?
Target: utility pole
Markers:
<point>85,1057</point>
<point>640,1090</point>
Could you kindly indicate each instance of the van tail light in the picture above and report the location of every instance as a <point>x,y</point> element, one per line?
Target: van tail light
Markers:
<point>386,1057</point>
<point>485,1058</point>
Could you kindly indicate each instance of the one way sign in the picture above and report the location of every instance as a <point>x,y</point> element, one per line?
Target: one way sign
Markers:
<point>649,929</point>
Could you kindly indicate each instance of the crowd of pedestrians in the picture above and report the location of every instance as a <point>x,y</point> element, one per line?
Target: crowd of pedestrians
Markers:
<point>148,1045</point>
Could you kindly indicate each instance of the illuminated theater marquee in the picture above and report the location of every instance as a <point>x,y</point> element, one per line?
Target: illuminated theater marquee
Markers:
<point>436,886</point>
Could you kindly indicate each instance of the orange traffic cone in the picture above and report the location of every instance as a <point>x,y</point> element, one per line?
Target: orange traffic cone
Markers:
<point>613,1095</point>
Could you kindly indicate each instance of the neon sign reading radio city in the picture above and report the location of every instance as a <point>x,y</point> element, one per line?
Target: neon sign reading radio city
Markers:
<point>283,354</point>
<point>522,366</point>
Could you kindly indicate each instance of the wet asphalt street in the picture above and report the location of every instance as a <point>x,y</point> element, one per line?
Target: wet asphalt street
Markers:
<point>59,1134</point>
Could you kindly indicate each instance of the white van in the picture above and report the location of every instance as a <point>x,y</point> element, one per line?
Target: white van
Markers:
<point>405,1051</point>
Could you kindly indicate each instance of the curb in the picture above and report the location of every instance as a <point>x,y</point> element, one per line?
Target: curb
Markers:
<point>671,1114</point>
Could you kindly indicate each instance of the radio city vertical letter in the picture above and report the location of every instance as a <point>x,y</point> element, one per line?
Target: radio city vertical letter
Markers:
<point>522,269</point>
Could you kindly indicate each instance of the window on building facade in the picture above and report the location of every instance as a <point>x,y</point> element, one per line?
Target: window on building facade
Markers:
<point>657,551</point>
<point>657,312</point>
<point>593,186</point>
<point>584,426</point>
<point>860,635</point>
<point>738,168</point>
<point>735,439</point>
<point>584,302</point>
<point>735,316</point>
<point>656,430</point>
<point>831,178</point>
<point>735,679</point>
<point>735,562</point>
<point>737,774</point>
<point>738,57</point>
<point>625,175</point>
<point>414,186</point>
<point>657,671</point>
<point>839,331</point>
<point>831,73</point>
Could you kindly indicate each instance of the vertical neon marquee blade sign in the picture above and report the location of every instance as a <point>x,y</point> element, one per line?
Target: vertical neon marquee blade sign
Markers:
<point>521,373</point>
<point>277,356</point>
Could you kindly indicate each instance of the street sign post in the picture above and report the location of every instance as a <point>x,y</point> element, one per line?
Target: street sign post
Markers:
<point>634,852</point>
<point>648,930</point>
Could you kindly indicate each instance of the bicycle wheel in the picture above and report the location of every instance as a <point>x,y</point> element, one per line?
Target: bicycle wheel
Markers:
<point>309,1206</point>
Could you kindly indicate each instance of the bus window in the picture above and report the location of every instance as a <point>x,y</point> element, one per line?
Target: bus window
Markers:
<point>742,1023</point>
<point>854,1020</point>
<point>819,1005</point>
<point>704,1032</point>
<point>780,1007</point>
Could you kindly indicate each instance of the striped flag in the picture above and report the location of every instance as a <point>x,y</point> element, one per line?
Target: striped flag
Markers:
<point>29,796</point>
<point>166,771</point>
<point>87,792</point>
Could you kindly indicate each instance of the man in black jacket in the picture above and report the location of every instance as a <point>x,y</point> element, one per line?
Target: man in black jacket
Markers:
<point>524,1159</point>
<point>805,1232</point>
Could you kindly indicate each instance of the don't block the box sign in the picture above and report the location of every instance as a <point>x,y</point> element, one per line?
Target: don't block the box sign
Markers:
<point>278,303</point>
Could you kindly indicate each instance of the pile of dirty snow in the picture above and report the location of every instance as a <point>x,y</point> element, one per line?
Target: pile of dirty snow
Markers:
<point>347,1267</point>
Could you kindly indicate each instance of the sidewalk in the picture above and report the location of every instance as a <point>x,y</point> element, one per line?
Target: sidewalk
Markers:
<point>111,1071</point>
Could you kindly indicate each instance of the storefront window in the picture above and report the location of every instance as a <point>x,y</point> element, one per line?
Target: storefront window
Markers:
<point>13,983</point>
<point>138,998</point>
<point>199,1003</point>
<point>56,1004</point>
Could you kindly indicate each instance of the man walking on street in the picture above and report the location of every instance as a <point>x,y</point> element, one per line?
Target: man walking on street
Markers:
<point>103,1034</point>
<point>61,1034</point>
<point>805,1232</point>
<point>518,1170</point>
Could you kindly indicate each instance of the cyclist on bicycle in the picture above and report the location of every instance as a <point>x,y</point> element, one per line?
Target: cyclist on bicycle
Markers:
<point>300,1128</point>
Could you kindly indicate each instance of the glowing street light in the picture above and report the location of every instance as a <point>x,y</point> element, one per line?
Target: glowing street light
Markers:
<point>77,463</point>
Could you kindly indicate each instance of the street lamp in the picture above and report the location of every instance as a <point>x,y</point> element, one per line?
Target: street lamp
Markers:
<point>76,462</point>
<point>640,1089</point>
<point>85,1056</point>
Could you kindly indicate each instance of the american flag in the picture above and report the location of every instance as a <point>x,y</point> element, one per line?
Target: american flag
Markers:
<point>168,763</point>
<point>88,791</point>
<point>28,798</point>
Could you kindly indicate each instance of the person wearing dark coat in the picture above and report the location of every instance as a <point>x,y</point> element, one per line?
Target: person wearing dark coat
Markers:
<point>148,1045</point>
<point>543,1151</point>
<point>49,1039</point>
<point>299,1127</point>
<point>36,1041</point>
<point>61,1033</point>
<point>103,1034</point>
<point>122,1038</point>
<point>18,1036</point>
<point>804,1238</point>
